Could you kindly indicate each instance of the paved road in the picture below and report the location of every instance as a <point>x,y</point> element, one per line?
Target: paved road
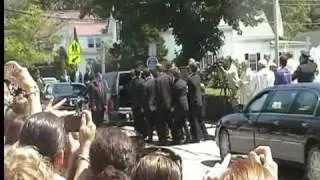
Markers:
<point>200,157</point>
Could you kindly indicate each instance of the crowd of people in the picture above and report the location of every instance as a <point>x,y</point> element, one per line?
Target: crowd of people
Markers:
<point>249,83</point>
<point>37,145</point>
<point>163,101</point>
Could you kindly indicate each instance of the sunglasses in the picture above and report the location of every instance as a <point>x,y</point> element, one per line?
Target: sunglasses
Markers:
<point>168,153</point>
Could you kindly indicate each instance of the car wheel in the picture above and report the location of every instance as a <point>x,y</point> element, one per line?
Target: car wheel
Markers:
<point>313,163</point>
<point>224,144</point>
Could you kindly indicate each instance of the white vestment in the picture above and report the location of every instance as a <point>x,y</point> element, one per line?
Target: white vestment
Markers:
<point>265,78</point>
<point>246,86</point>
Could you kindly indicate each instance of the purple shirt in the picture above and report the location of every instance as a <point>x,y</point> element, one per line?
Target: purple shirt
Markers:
<point>283,76</point>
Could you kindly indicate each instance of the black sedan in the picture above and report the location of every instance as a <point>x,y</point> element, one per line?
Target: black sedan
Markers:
<point>73,92</point>
<point>286,118</point>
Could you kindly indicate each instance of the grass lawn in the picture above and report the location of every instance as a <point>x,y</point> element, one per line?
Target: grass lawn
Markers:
<point>214,92</point>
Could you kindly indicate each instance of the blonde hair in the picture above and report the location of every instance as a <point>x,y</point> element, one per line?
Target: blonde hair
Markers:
<point>245,169</point>
<point>25,163</point>
<point>156,167</point>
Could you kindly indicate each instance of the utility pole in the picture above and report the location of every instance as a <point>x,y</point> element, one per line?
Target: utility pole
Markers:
<point>276,30</point>
<point>103,58</point>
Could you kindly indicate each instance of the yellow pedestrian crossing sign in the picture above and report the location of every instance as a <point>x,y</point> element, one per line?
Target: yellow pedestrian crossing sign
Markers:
<point>74,53</point>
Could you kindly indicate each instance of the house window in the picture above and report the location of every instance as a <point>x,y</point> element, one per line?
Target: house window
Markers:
<point>98,42</point>
<point>253,60</point>
<point>90,43</point>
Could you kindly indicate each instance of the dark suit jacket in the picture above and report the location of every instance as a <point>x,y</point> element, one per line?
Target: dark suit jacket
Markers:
<point>104,92</point>
<point>136,90</point>
<point>164,86</point>
<point>180,95</point>
<point>95,97</point>
<point>194,90</point>
<point>150,103</point>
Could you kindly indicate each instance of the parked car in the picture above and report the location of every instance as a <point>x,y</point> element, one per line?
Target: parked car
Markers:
<point>286,118</point>
<point>73,92</point>
<point>119,104</point>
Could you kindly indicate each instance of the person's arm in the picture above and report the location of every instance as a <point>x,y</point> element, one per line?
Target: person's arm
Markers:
<point>295,74</point>
<point>86,137</point>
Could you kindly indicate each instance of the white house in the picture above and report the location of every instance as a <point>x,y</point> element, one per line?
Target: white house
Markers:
<point>91,34</point>
<point>253,44</point>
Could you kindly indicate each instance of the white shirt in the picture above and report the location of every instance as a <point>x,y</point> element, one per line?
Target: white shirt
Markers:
<point>232,77</point>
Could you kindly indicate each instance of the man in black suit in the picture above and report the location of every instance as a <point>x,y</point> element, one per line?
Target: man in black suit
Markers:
<point>96,103</point>
<point>181,108</point>
<point>164,86</point>
<point>136,89</point>
<point>198,129</point>
<point>150,104</point>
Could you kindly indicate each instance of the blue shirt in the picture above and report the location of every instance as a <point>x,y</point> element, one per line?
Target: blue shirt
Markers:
<point>283,76</point>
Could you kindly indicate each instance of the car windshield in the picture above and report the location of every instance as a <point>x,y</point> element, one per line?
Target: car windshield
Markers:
<point>71,89</point>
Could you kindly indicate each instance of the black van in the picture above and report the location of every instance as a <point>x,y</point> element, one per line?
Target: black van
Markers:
<point>119,105</point>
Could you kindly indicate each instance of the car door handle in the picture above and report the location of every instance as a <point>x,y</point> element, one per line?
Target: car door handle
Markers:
<point>305,125</point>
<point>276,123</point>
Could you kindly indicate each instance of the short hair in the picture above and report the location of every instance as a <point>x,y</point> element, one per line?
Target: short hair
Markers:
<point>283,60</point>
<point>243,169</point>
<point>146,72</point>
<point>176,73</point>
<point>26,163</point>
<point>45,131</point>
<point>156,167</point>
<point>137,72</point>
<point>160,67</point>
<point>193,66</point>
<point>112,147</point>
<point>14,127</point>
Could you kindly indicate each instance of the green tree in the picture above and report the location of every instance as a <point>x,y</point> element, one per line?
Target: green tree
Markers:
<point>295,16</point>
<point>29,37</point>
<point>194,22</point>
<point>315,16</point>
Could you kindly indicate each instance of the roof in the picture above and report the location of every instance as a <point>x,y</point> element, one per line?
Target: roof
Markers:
<point>86,29</point>
<point>313,36</point>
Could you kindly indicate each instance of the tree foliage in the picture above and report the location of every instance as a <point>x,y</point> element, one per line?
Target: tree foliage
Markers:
<point>194,22</point>
<point>29,37</point>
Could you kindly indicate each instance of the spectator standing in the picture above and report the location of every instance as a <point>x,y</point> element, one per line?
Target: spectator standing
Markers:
<point>65,77</point>
<point>233,80</point>
<point>306,70</point>
<point>198,129</point>
<point>136,89</point>
<point>87,75</point>
<point>283,74</point>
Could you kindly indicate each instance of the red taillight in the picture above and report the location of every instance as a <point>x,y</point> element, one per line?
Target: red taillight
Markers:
<point>110,105</point>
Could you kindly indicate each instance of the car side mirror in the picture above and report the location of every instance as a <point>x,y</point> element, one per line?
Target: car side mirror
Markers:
<point>239,108</point>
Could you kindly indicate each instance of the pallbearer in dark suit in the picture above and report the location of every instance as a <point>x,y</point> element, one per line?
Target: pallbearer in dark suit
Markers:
<point>198,129</point>
<point>164,85</point>
<point>181,108</point>
<point>136,88</point>
<point>150,104</point>
<point>96,103</point>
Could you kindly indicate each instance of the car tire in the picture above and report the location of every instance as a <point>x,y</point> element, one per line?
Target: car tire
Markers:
<point>313,163</point>
<point>224,143</point>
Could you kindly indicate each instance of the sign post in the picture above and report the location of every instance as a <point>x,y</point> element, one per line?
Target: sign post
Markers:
<point>74,51</point>
<point>152,62</point>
